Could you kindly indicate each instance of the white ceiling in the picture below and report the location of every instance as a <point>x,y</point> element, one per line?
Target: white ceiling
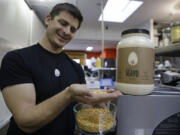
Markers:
<point>162,11</point>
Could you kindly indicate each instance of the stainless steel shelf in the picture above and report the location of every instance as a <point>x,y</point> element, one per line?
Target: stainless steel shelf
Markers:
<point>171,50</point>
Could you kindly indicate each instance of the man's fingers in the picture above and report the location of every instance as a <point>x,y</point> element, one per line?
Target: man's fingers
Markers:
<point>99,98</point>
<point>109,90</point>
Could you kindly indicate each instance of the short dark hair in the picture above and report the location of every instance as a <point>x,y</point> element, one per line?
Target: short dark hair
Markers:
<point>73,10</point>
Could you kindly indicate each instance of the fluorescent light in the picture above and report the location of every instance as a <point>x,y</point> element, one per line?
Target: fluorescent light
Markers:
<point>119,10</point>
<point>89,48</point>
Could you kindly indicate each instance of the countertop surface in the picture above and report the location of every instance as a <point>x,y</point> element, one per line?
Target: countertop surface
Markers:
<point>166,90</point>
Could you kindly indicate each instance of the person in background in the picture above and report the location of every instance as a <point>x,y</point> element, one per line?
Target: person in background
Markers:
<point>40,83</point>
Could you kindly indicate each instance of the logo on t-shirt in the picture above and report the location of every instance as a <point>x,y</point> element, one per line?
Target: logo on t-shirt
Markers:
<point>57,72</point>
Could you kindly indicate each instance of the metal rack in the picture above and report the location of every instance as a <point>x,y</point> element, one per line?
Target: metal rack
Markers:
<point>171,50</point>
<point>102,70</point>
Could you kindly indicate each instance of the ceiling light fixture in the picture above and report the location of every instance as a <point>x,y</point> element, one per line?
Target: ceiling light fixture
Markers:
<point>89,48</point>
<point>119,10</point>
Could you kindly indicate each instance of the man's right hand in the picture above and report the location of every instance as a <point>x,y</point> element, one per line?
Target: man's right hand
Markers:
<point>79,93</point>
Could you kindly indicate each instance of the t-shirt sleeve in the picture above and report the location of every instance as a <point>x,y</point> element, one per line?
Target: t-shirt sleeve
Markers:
<point>13,70</point>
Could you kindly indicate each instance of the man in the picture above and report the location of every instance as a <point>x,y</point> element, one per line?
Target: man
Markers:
<point>40,83</point>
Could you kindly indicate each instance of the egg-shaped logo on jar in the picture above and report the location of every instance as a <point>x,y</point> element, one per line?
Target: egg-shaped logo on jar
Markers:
<point>132,59</point>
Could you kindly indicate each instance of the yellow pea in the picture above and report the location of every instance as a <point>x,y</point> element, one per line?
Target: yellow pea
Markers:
<point>99,92</point>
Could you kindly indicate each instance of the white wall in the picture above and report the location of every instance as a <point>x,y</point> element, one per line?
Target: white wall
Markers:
<point>19,23</point>
<point>37,29</point>
<point>14,24</point>
<point>19,27</point>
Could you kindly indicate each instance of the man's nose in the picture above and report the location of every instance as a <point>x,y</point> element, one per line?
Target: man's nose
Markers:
<point>67,30</point>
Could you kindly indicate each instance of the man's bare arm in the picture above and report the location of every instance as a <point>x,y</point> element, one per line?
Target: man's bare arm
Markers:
<point>21,100</point>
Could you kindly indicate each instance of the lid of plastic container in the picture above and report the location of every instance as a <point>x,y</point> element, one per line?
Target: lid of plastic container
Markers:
<point>130,31</point>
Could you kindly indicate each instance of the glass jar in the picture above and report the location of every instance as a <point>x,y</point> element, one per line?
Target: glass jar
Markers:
<point>166,36</point>
<point>135,58</point>
<point>175,32</point>
<point>95,120</point>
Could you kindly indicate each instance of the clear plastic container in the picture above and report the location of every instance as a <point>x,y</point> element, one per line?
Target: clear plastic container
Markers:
<point>166,36</point>
<point>175,32</point>
<point>95,120</point>
<point>135,58</point>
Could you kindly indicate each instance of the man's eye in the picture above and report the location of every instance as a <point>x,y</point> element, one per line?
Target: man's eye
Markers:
<point>73,30</point>
<point>63,23</point>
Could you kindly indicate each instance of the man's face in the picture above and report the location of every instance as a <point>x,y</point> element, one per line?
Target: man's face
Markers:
<point>61,29</point>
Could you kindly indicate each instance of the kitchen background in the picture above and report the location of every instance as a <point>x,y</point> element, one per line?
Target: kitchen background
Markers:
<point>22,25</point>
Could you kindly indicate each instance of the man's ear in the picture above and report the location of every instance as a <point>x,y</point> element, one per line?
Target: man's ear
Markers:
<point>47,20</point>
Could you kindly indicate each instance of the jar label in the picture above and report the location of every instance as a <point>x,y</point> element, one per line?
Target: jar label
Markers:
<point>135,65</point>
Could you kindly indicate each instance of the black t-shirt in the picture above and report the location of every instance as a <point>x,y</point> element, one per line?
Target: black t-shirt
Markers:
<point>50,73</point>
